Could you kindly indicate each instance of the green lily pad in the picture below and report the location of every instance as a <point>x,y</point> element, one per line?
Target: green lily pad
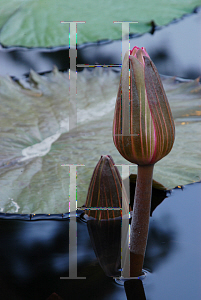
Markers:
<point>36,141</point>
<point>34,23</point>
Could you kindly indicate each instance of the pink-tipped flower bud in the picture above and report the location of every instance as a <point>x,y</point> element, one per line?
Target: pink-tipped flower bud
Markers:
<point>143,126</point>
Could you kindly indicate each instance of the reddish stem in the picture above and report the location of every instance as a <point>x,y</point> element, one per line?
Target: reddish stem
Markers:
<point>140,219</point>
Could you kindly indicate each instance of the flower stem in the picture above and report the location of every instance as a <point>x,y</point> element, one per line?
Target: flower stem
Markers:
<point>140,219</point>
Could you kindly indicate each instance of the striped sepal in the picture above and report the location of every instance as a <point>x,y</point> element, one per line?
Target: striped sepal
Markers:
<point>105,190</point>
<point>143,127</point>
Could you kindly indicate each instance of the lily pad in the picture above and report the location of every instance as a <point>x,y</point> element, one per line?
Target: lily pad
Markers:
<point>36,141</point>
<point>34,23</point>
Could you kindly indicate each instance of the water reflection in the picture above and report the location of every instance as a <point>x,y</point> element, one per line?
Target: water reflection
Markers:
<point>54,296</point>
<point>34,254</point>
<point>160,243</point>
<point>134,289</point>
<point>105,237</point>
<point>105,233</point>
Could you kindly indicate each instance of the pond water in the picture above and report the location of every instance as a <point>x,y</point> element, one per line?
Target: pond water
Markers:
<point>38,255</point>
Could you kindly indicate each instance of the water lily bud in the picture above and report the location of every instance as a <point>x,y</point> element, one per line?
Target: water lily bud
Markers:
<point>143,126</point>
<point>105,190</point>
<point>104,226</point>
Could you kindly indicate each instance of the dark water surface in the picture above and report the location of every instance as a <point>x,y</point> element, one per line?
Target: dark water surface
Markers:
<point>34,255</point>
